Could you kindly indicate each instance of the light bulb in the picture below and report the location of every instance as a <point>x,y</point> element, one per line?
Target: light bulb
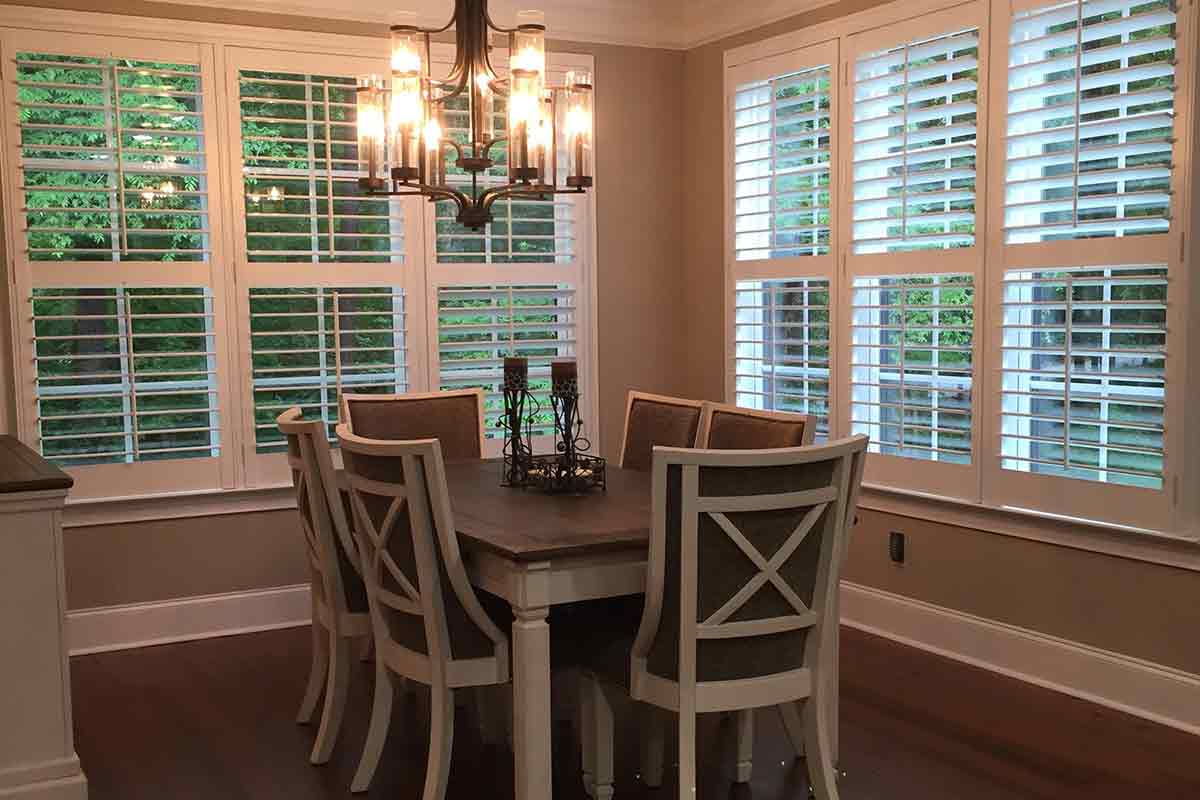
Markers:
<point>579,122</point>
<point>433,135</point>
<point>530,59</point>
<point>406,53</point>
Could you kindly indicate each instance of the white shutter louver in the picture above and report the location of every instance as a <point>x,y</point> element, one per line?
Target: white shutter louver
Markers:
<point>912,365</point>
<point>301,169</point>
<point>781,166</point>
<point>782,347</point>
<point>914,162</point>
<point>125,374</point>
<point>1090,120</point>
<point>310,343</point>
<point>1084,375</point>
<point>479,325</point>
<point>112,159</point>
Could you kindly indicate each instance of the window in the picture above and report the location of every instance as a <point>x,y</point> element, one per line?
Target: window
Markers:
<point>1010,296</point>
<point>163,324</point>
<point>478,326</point>
<point>1091,98</point>
<point>308,344</point>
<point>915,125</point>
<point>782,129</point>
<point>782,347</point>
<point>911,365</point>
<point>1085,373</point>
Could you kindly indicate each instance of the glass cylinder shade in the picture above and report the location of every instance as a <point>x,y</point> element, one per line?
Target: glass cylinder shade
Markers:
<point>579,127</point>
<point>431,139</point>
<point>524,117</point>
<point>405,121</point>
<point>529,43</point>
<point>372,127</point>
<point>406,51</point>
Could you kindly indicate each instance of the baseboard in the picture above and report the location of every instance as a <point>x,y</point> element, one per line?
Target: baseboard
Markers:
<point>142,624</point>
<point>60,779</point>
<point>1137,687</point>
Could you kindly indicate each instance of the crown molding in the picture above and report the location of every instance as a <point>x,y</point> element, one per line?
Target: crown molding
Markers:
<point>668,24</point>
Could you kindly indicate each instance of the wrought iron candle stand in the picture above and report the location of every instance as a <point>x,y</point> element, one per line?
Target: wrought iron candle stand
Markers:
<point>520,410</point>
<point>569,469</point>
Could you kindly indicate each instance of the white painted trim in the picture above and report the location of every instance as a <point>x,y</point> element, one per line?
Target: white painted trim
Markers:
<point>99,630</point>
<point>1150,691</point>
<point>148,508</point>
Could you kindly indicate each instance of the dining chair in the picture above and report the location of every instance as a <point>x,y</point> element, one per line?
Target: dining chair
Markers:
<point>339,597</point>
<point>726,427</point>
<point>653,419</point>
<point>455,418</point>
<point>745,557</point>
<point>430,625</point>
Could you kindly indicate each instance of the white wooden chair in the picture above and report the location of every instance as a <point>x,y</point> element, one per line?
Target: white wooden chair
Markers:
<point>657,420</point>
<point>745,556</point>
<point>454,418</point>
<point>339,599</point>
<point>428,621</point>
<point>726,427</point>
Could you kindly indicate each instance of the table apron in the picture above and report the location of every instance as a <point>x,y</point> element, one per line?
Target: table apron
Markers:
<point>539,584</point>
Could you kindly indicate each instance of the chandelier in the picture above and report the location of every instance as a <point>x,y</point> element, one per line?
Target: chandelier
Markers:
<point>402,127</point>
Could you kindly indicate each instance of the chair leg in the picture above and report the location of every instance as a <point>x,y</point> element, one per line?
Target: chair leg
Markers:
<point>335,698</point>
<point>317,673</point>
<point>793,725</point>
<point>602,742</point>
<point>587,733</point>
<point>817,744</point>
<point>654,741</point>
<point>441,742</point>
<point>745,745</point>
<point>377,732</point>
<point>687,756</point>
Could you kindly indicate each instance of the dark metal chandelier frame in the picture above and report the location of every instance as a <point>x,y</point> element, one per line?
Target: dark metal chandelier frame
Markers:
<point>402,124</point>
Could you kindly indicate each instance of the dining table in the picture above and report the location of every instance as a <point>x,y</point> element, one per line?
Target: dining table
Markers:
<point>537,550</point>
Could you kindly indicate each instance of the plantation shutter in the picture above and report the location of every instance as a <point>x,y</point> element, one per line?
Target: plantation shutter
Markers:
<point>915,108</point>
<point>125,374</point>
<point>781,138</point>
<point>912,367</point>
<point>781,347</point>
<point>1091,88</point>
<point>1084,378</point>
<point>301,167</point>
<point>309,344</point>
<point>478,326</point>
<point>112,159</point>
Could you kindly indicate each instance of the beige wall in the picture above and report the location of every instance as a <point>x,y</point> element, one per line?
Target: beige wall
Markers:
<point>1130,607</point>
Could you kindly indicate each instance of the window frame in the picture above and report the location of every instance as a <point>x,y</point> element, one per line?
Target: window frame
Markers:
<point>114,480</point>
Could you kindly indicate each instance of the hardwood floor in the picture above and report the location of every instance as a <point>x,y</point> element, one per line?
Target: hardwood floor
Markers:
<point>214,719</point>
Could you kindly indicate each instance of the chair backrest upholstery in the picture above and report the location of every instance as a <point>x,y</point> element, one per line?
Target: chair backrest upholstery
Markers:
<point>744,558</point>
<point>422,600</point>
<point>656,420</point>
<point>725,427</point>
<point>454,418</point>
<point>332,551</point>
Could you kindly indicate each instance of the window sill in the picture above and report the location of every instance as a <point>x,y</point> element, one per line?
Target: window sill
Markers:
<point>183,505</point>
<point>1135,544</point>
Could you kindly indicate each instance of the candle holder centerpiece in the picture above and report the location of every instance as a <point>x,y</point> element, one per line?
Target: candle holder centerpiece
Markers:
<point>570,469</point>
<point>520,411</point>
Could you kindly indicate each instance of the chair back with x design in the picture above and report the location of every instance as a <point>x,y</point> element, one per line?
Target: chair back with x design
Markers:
<point>429,625</point>
<point>744,559</point>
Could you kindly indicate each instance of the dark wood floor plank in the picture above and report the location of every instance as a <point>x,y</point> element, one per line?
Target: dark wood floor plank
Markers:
<point>214,718</point>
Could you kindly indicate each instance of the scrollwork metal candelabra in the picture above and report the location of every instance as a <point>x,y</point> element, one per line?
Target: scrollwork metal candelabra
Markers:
<point>520,410</point>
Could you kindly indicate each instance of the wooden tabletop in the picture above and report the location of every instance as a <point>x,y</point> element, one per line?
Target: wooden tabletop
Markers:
<point>22,470</point>
<point>529,525</point>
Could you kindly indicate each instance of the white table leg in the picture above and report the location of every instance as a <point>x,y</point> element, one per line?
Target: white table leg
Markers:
<point>531,683</point>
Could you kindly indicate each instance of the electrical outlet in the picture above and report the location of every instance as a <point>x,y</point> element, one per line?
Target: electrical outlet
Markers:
<point>896,546</point>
